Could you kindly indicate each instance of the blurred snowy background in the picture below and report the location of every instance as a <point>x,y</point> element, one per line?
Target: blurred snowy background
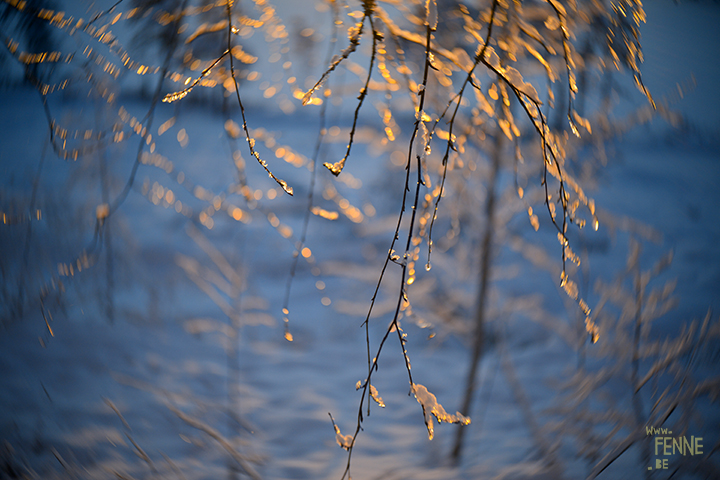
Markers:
<point>163,354</point>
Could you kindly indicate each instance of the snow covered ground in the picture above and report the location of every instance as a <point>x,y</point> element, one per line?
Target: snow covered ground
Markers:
<point>147,376</point>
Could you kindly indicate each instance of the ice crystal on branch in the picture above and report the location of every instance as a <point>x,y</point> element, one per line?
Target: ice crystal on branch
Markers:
<point>345,441</point>
<point>431,408</point>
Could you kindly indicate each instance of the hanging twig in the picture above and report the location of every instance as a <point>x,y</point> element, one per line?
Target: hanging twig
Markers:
<point>311,192</point>
<point>251,141</point>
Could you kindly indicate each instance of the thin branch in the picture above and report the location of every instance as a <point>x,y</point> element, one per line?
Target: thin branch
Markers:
<point>451,123</point>
<point>311,191</point>
<point>251,141</point>
<point>394,325</point>
<point>337,167</point>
